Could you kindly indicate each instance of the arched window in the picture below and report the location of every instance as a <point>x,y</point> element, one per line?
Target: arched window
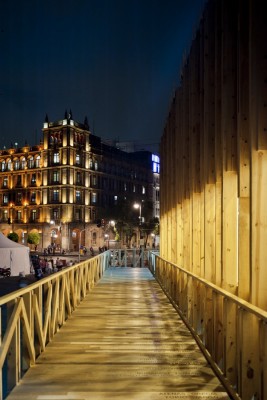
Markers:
<point>23,162</point>
<point>3,165</point>
<point>37,161</point>
<point>30,162</point>
<point>9,165</point>
<point>93,238</point>
<point>16,164</point>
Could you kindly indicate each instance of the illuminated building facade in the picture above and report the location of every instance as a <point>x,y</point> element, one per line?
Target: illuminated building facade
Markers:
<point>60,187</point>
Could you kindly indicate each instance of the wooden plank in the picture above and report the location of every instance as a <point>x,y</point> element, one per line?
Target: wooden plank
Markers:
<point>259,229</point>
<point>230,342</point>
<point>230,232</point>
<point>249,358</point>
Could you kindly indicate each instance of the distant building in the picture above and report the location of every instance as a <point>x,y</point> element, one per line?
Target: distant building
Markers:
<point>131,146</point>
<point>61,187</point>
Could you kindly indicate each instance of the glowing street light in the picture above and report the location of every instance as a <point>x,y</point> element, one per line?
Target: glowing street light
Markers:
<point>136,206</point>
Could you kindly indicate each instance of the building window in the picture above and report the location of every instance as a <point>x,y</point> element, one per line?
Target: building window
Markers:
<point>134,188</point>
<point>3,166</point>
<point>96,165</point>
<point>125,187</point>
<point>78,215</point>
<point>94,198</point>
<point>30,162</point>
<point>9,165</point>
<point>5,199</point>
<point>93,238</point>
<point>19,180</point>
<point>115,200</point>
<point>5,182</point>
<point>23,163</point>
<point>55,195</point>
<point>55,176</point>
<point>19,198</point>
<point>37,161</point>
<point>78,178</point>
<point>5,215</point>
<point>78,196</point>
<point>55,213</point>
<point>78,159</point>
<point>56,158</point>
<point>16,164</point>
<point>33,215</point>
<point>155,163</point>
<point>33,197</point>
<point>19,215</point>
<point>94,180</point>
<point>33,180</point>
<point>143,190</point>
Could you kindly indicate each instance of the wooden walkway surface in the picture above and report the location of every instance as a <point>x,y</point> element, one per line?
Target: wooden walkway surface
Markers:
<point>125,341</point>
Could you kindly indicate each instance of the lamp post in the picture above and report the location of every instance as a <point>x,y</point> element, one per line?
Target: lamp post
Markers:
<point>136,206</point>
<point>107,239</point>
<point>79,250</point>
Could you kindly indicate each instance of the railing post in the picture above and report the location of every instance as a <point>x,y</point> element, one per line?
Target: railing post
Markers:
<point>13,356</point>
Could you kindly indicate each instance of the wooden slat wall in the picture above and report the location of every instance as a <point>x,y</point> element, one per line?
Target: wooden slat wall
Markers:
<point>214,153</point>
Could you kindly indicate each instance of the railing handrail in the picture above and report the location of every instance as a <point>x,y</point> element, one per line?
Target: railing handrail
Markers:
<point>20,292</point>
<point>260,313</point>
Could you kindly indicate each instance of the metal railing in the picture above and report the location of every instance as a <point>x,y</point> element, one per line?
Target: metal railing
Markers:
<point>129,257</point>
<point>31,316</point>
<point>231,332</point>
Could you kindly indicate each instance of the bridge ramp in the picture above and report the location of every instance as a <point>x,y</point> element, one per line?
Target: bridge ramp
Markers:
<point>125,342</point>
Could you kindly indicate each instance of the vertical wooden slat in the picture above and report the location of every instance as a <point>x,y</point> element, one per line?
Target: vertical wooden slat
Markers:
<point>243,82</point>
<point>258,131</point>
<point>13,356</point>
<point>230,341</point>
<point>249,358</point>
<point>263,361</point>
<point>218,329</point>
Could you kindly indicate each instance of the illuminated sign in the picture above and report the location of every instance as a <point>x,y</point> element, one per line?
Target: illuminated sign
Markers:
<point>155,163</point>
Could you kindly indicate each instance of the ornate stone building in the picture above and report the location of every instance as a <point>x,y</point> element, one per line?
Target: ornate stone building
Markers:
<point>60,187</point>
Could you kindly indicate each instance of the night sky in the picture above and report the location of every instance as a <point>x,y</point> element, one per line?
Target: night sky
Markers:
<point>115,61</point>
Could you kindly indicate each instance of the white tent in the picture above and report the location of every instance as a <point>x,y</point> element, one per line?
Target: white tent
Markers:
<point>14,256</point>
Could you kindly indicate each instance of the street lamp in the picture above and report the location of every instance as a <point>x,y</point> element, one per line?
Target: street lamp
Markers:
<point>107,239</point>
<point>136,206</point>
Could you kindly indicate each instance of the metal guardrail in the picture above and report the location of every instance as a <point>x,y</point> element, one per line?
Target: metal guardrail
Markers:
<point>31,316</point>
<point>231,332</point>
<point>129,257</point>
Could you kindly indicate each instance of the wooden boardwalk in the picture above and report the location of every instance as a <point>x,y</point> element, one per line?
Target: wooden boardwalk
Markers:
<point>125,341</point>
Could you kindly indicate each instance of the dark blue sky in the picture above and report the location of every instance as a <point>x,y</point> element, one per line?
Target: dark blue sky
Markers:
<point>115,61</point>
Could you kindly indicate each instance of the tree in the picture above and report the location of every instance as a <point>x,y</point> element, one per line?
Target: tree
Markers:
<point>152,226</point>
<point>127,219</point>
<point>126,230</point>
<point>13,236</point>
<point>33,238</point>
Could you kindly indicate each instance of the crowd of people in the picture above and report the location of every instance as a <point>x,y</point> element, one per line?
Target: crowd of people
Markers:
<point>45,266</point>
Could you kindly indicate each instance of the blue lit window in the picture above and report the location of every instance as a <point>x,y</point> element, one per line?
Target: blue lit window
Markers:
<point>78,196</point>
<point>55,195</point>
<point>94,197</point>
